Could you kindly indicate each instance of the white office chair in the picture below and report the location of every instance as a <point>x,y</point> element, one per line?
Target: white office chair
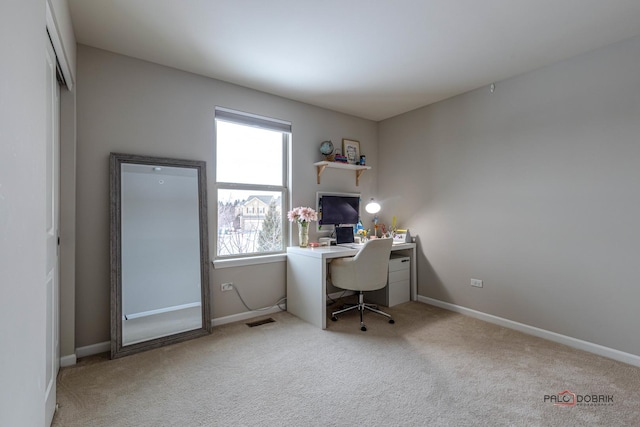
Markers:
<point>367,271</point>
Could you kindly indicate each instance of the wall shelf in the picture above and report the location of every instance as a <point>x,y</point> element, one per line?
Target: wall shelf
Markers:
<point>321,166</point>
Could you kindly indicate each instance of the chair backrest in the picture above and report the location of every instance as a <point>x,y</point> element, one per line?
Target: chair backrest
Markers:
<point>371,265</point>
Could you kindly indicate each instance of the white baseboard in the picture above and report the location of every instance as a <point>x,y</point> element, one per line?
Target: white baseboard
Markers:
<point>92,349</point>
<point>600,350</point>
<point>590,347</point>
<point>69,360</point>
<point>102,347</point>
<point>244,316</point>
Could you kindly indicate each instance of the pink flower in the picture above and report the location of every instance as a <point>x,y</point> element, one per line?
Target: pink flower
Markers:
<point>302,215</point>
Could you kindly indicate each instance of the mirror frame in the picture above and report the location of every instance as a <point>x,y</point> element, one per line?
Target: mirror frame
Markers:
<point>116,161</point>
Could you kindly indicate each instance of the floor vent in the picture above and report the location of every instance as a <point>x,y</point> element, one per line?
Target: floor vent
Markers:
<point>260,322</point>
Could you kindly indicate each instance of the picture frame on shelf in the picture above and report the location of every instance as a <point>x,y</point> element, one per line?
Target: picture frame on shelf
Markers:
<point>351,149</point>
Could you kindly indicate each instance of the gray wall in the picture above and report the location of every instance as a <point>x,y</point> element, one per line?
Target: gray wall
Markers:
<point>22,213</point>
<point>131,106</point>
<point>533,189</point>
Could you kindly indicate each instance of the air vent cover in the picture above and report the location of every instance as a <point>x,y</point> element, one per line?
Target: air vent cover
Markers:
<point>260,322</point>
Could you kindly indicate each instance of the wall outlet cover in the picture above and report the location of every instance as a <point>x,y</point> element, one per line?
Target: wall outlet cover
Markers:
<point>477,283</point>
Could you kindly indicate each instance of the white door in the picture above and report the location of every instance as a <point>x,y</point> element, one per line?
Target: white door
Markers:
<point>52,274</point>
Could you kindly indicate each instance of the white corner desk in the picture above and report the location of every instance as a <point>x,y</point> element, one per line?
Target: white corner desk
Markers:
<point>307,278</point>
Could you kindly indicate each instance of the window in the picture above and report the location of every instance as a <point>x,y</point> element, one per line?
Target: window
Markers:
<point>251,179</point>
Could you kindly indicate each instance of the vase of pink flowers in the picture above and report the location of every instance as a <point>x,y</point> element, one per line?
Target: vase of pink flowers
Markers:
<point>303,216</point>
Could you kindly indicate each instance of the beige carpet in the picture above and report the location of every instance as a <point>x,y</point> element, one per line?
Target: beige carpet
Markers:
<point>433,367</point>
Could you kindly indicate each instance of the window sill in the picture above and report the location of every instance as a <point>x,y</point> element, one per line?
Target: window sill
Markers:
<point>241,262</point>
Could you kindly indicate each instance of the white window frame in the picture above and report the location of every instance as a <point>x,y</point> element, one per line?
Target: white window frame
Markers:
<point>248,119</point>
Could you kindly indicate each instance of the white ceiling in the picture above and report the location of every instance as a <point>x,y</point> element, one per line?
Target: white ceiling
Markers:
<point>369,58</point>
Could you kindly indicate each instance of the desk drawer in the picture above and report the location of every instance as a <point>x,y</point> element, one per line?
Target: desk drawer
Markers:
<point>398,292</point>
<point>399,275</point>
<point>398,262</point>
<point>398,289</point>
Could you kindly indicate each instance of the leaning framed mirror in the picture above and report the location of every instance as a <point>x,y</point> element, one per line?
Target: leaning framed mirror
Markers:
<point>159,252</point>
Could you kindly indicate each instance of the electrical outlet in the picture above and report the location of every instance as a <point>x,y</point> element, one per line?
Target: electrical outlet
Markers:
<point>477,283</point>
<point>226,286</point>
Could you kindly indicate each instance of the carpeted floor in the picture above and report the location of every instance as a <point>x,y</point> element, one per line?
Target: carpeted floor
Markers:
<point>432,367</point>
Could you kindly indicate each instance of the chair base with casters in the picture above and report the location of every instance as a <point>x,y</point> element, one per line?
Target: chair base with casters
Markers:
<point>361,306</point>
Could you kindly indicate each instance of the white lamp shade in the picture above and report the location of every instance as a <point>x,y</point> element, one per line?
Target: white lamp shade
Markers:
<point>372,207</point>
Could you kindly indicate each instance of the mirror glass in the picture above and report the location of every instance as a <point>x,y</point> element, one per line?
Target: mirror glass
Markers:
<point>159,252</point>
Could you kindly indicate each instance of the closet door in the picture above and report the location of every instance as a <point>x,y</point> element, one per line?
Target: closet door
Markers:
<point>51,233</point>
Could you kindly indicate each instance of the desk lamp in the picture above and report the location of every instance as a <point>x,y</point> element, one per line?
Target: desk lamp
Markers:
<point>373,208</point>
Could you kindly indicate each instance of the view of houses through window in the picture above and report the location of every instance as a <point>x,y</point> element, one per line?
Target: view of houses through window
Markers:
<point>250,185</point>
<point>249,222</point>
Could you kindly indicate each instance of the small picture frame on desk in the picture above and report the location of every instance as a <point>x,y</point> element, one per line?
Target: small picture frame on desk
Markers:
<point>402,236</point>
<point>351,149</point>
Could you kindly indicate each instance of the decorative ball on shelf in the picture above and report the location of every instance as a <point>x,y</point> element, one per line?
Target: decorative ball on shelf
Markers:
<point>326,148</point>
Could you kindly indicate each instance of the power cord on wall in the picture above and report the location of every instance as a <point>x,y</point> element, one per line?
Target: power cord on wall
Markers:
<point>277,303</point>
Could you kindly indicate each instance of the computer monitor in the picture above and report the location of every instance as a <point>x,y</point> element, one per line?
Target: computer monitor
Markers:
<point>339,210</point>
